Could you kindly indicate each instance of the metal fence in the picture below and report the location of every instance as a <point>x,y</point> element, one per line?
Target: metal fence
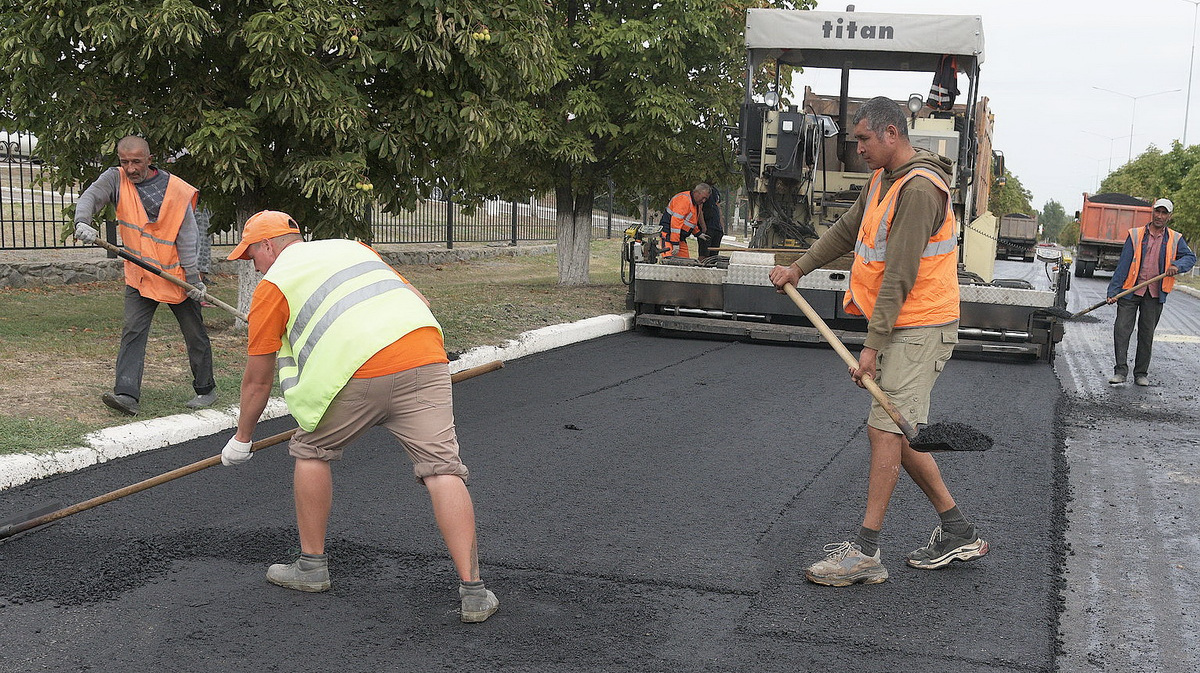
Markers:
<point>31,214</point>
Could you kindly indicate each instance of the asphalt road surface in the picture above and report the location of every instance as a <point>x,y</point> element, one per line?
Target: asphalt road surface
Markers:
<point>649,504</point>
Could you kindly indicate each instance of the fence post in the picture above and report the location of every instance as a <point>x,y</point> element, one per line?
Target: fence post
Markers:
<point>449,221</point>
<point>610,191</point>
<point>514,223</point>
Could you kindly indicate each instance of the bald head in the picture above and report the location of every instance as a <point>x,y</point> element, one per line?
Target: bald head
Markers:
<point>134,155</point>
<point>131,143</point>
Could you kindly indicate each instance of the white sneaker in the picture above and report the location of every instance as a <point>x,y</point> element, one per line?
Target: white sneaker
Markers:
<point>846,565</point>
<point>1116,378</point>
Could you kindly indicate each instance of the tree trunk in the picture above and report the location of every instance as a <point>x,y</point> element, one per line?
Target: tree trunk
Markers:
<point>247,277</point>
<point>574,217</point>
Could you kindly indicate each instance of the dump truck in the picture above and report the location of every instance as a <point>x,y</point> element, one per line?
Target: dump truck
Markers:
<point>1104,224</point>
<point>801,171</point>
<point>1017,237</point>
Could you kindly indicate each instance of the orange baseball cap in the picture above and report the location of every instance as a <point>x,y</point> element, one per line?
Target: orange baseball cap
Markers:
<point>261,226</point>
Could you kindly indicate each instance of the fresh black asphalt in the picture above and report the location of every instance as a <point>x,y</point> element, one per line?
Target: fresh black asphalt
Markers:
<point>644,504</point>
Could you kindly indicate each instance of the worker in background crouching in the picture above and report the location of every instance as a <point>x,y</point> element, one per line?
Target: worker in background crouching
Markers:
<point>357,348</point>
<point>683,218</point>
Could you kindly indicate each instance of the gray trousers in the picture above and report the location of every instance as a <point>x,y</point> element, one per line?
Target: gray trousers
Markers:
<point>1145,312</point>
<point>131,359</point>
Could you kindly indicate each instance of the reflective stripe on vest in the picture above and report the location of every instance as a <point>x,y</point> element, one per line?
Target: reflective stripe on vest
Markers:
<point>933,299</point>
<point>1171,245</point>
<point>154,242</point>
<point>345,306</point>
<point>674,236</point>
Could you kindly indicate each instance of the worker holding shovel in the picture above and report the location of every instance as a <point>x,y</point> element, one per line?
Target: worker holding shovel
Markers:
<point>158,228</point>
<point>1149,251</point>
<point>356,347</point>
<point>905,281</point>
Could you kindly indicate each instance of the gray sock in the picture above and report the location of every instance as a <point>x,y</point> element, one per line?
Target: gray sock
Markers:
<point>954,523</point>
<point>868,540</point>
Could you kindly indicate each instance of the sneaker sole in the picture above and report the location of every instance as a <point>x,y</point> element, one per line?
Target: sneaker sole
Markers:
<point>476,617</point>
<point>310,587</point>
<point>967,552</point>
<point>846,581</point>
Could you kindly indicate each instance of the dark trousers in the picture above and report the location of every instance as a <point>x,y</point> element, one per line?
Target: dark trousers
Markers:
<point>1145,312</point>
<point>131,359</point>
<point>714,241</point>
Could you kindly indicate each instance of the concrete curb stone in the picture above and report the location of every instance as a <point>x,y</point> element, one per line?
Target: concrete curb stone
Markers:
<point>124,440</point>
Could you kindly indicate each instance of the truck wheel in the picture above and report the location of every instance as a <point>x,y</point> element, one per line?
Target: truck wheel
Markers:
<point>1081,270</point>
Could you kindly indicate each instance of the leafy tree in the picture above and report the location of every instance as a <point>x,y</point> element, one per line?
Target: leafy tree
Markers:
<point>1068,236</point>
<point>1174,175</point>
<point>1052,218</point>
<point>646,90</point>
<point>1011,197</point>
<point>317,107</point>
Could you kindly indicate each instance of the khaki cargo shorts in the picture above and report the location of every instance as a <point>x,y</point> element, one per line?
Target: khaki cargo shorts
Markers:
<point>908,368</point>
<point>415,405</point>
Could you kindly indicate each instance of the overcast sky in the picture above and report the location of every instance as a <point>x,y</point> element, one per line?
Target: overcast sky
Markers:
<point>1042,62</point>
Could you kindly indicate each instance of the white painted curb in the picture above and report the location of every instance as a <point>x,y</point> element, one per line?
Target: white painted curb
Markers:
<point>125,440</point>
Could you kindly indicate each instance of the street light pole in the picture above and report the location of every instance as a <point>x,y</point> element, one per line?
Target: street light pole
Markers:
<point>1133,115</point>
<point>1191,64</point>
<point>1111,140</point>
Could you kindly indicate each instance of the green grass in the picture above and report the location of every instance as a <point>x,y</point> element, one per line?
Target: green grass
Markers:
<point>58,344</point>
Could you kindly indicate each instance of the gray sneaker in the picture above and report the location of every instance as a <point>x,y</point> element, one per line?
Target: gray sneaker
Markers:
<point>943,548</point>
<point>201,401</point>
<point>1141,380</point>
<point>1116,378</point>
<point>477,602</point>
<point>121,402</point>
<point>310,572</point>
<point>846,565</point>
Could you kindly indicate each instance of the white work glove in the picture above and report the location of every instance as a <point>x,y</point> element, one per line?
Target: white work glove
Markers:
<point>235,452</point>
<point>86,233</point>
<point>197,292</point>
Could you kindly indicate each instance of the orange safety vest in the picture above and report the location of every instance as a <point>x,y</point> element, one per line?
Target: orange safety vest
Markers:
<point>933,299</point>
<point>1172,249</point>
<point>154,242</point>
<point>683,221</point>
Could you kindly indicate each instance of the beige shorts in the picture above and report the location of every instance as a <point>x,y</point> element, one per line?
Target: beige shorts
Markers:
<point>415,405</point>
<point>908,367</point>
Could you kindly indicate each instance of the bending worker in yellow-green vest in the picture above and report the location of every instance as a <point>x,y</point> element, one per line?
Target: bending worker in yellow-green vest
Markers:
<point>904,280</point>
<point>356,347</point>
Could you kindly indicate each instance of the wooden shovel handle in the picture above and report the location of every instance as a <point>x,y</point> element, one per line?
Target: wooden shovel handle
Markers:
<point>850,360</point>
<point>9,531</point>
<point>166,276</point>
<point>1122,293</point>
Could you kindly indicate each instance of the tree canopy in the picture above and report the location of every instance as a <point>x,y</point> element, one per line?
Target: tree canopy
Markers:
<point>645,93</point>
<point>1174,175</point>
<point>317,107</point>
<point>1053,217</point>
<point>1011,197</point>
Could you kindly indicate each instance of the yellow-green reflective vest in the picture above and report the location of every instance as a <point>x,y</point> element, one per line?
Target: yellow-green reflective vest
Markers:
<point>345,306</point>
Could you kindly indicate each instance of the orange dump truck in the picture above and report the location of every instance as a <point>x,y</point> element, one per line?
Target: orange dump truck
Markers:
<point>1104,223</point>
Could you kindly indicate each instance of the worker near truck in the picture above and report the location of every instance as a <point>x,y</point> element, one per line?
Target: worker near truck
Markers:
<point>157,225</point>
<point>684,217</point>
<point>358,348</point>
<point>1149,251</point>
<point>904,281</point>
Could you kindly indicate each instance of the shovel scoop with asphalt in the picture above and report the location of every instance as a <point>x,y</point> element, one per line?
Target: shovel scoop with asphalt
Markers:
<point>932,438</point>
